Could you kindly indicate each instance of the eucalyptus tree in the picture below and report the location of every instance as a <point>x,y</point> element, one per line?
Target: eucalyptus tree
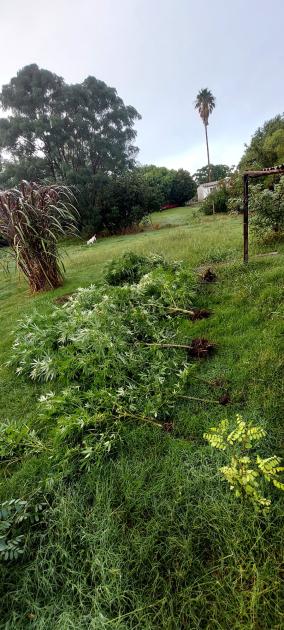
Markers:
<point>69,126</point>
<point>67,133</point>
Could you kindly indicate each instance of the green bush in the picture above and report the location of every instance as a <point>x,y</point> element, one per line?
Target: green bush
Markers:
<point>235,204</point>
<point>168,186</point>
<point>246,473</point>
<point>123,200</point>
<point>217,201</point>
<point>267,210</point>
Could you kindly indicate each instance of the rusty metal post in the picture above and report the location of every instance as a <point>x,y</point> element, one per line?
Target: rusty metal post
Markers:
<point>245,224</point>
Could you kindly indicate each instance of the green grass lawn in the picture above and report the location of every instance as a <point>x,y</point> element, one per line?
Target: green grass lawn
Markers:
<point>154,538</point>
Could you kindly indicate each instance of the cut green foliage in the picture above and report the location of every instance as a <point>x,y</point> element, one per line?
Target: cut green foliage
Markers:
<point>129,268</point>
<point>15,515</point>
<point>245,473</point>
<point>103,349</point>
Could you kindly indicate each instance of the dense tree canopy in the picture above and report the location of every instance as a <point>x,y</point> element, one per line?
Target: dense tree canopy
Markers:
<point>265,149</point>
<point>78,134</point>
<point>121,201</point>
<point>159,179</point>
<point>218,171</point>
<point>66,127</point>
<point>267,209</point>
<point>183,187</point>
<point>114,202</point>
<point>267,145</point>
<point>168,185</point>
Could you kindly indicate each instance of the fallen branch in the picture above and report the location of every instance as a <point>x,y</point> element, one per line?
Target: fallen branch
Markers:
<point>196,313</point>
<point>205,400</point>
<point>197,348</point>
<point>125,414</point>
<point>168,345</point>
<point>212,383</point>
<point>173,309</point>
<point>266,254</point>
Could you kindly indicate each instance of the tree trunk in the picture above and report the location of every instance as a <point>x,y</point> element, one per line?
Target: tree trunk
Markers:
<point>208,158</point>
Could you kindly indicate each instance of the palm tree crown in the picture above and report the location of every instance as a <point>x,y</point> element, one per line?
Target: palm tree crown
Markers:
<point>205,103</point>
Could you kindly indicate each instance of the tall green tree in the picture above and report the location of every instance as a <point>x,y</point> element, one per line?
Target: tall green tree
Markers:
<point>205,103</point>
<point>266,147</point>
<point>218,171</point>
<point>159,179</point>
<point>67,127</point>
<point>168,186</point>
<point>183,187</point>
<point>123,200</point>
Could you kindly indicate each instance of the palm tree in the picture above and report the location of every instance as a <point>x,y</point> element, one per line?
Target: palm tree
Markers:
<point>205,103</point>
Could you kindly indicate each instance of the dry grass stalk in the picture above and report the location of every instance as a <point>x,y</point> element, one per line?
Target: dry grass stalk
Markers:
<point>32,218</point>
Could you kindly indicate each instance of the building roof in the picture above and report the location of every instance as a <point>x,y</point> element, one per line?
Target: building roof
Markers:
<point>208,184</point>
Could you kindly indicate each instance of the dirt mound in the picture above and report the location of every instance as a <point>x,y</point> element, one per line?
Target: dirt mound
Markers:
<point>225,399</point>
<point>200,348</point>
<point>168,427</point>
<point>208,276</point>
<point>200,313</point>
<point>62,299</point>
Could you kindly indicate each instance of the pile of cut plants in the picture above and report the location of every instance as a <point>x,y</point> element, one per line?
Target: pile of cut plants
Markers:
<point>111,355</point>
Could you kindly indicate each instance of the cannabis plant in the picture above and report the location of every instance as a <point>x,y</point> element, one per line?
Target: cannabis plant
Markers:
<point>108,355</point>
<point>32,218</point>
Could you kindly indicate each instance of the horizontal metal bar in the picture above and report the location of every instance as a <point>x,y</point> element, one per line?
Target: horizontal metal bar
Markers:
<point>268,171</point>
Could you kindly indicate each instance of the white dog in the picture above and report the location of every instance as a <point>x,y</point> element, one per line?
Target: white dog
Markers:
<point>92,240</point>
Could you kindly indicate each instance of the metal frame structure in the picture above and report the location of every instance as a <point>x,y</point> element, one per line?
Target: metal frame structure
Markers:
<point>274,170</point>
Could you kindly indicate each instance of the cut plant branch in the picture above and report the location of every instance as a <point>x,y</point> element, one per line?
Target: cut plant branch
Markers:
<point>204,400</point>
<point>199,347</point>
<point>195,313</point>
<point>223,400</point>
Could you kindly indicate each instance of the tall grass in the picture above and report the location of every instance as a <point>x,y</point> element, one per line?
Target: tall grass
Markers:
<point>31,219</point>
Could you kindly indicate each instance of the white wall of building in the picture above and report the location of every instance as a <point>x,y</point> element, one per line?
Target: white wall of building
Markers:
<point>205,189</point>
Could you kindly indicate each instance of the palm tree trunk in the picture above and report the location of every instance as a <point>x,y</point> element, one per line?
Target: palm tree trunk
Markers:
<point>208,158</point>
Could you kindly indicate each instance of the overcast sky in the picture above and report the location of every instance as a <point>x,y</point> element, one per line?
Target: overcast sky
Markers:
<point>158,54</point>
